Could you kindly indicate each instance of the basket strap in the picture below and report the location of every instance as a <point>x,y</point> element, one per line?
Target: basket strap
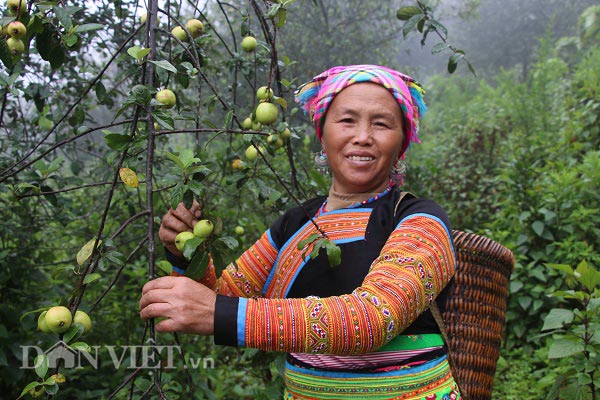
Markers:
<point>437,315</point>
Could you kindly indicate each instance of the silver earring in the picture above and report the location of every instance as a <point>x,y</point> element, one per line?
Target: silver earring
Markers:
<point>398,172</point>
<point>321,162</point>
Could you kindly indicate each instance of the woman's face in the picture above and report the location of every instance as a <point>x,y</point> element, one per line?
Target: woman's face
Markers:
<point>362,137</point>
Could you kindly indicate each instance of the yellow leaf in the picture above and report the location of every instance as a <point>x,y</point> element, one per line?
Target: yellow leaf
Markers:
<point>86,251</point>
<point>129,177</point>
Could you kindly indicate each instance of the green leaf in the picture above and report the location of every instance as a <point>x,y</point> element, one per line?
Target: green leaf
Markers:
<point>334,253</point>
<point>117,141</point>
<point>74,332</point>
<point>405,13</point>
<point>557,318</point>
<point>191,245</point>
<point>177,195</point>
<point>63,17</point>
<point>562,267</point>
<point>165,266</point>
<point>164,64</point>
<point>81,346</point>
<point>91,278</point>
<point>188,158</point>
<point>198,265</point>
<point>176,160</point>
<point>438,48</point>
<point>588,276</point>
<point>538,227</point>
<point>452,64</point>
<point>30,385</point>
<point>308,240</point>
<point>440,28</point>
<point>88,27</point>
<point>138,52</point>
<point>228,118</point>
<point>280,18</point>
<point>524,301</point>
<point>565,347</point>
<point>229,241</point>
<point>86,251</point>
<point>41,365</point>
<point>163,118</point>
<point>411,23</point>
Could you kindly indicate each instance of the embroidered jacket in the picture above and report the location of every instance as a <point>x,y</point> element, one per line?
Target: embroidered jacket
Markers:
<point>394,264</point>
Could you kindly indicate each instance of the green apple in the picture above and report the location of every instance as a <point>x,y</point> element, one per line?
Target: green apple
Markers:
<point>251,153</point>
<point>58,319</point>
<point>247,123</point>
<point>17,6</point>
<point>84,319</point>
<point>16,46</point>
<point>181,238</point>
<point>203,228</point>
<point>179,33</point>
<point>195,27</point>
<point>144,17</point>
<point>16,29</point>
<point>249,44</point>
<point>266,113</point>
<point>166,97</point>
<point>264,93</point>
<point>285,134</point>
<point>239,230</point>
<point>256,126</point>
<point>274,140</point>
<point>41,323</point>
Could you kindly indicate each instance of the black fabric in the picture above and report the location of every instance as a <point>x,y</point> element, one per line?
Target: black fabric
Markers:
<point>176,261</point>
<point>226,309</point>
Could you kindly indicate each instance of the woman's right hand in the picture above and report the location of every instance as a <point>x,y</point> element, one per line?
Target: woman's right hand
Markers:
<point>176,221</point>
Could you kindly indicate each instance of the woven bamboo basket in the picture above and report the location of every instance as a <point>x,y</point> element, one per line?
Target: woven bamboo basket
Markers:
<point>475,311</point>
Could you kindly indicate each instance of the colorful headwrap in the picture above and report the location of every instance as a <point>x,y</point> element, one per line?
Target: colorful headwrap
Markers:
<point>316,96</point>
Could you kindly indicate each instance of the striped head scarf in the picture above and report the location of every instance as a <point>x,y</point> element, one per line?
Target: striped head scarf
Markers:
<point>316,96</point>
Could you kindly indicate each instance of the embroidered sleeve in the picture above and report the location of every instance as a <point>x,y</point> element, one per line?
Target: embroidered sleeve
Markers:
<point>246,276</point>
<point>414,265</point>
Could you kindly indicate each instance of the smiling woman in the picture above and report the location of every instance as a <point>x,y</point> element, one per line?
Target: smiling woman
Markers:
<point>362,138</point>
<point>363,328</point>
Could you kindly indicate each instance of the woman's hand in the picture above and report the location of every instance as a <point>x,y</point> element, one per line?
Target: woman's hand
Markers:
<point>176,221</point>
<point>187,305</point>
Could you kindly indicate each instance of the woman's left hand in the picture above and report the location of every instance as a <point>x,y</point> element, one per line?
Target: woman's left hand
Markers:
<point>187,305</point>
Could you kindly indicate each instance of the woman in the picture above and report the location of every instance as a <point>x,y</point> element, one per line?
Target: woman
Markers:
<point>361,328</point>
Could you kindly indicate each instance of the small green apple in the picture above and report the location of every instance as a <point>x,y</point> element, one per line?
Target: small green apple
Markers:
<point>181,238</point>
<point>247,123</point>
<point>179,33</point>
<point>41,323</point>
<point>264,93</point>
<point>58,319</point>
<point>249,44</point>
<point>251,153</point>
<point>17,6</point>
<point>84,319</point>
<point>144,17</point>
<point>16,46</point>
<point>239,230</point>
<point>256,126</point>
<point>166,97</point>
<point>274,140</point>
<point>203,228</point>
<point>195,27</point>
<point>285,134</point>
<point>16,29</point>
<point>266,113</point>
